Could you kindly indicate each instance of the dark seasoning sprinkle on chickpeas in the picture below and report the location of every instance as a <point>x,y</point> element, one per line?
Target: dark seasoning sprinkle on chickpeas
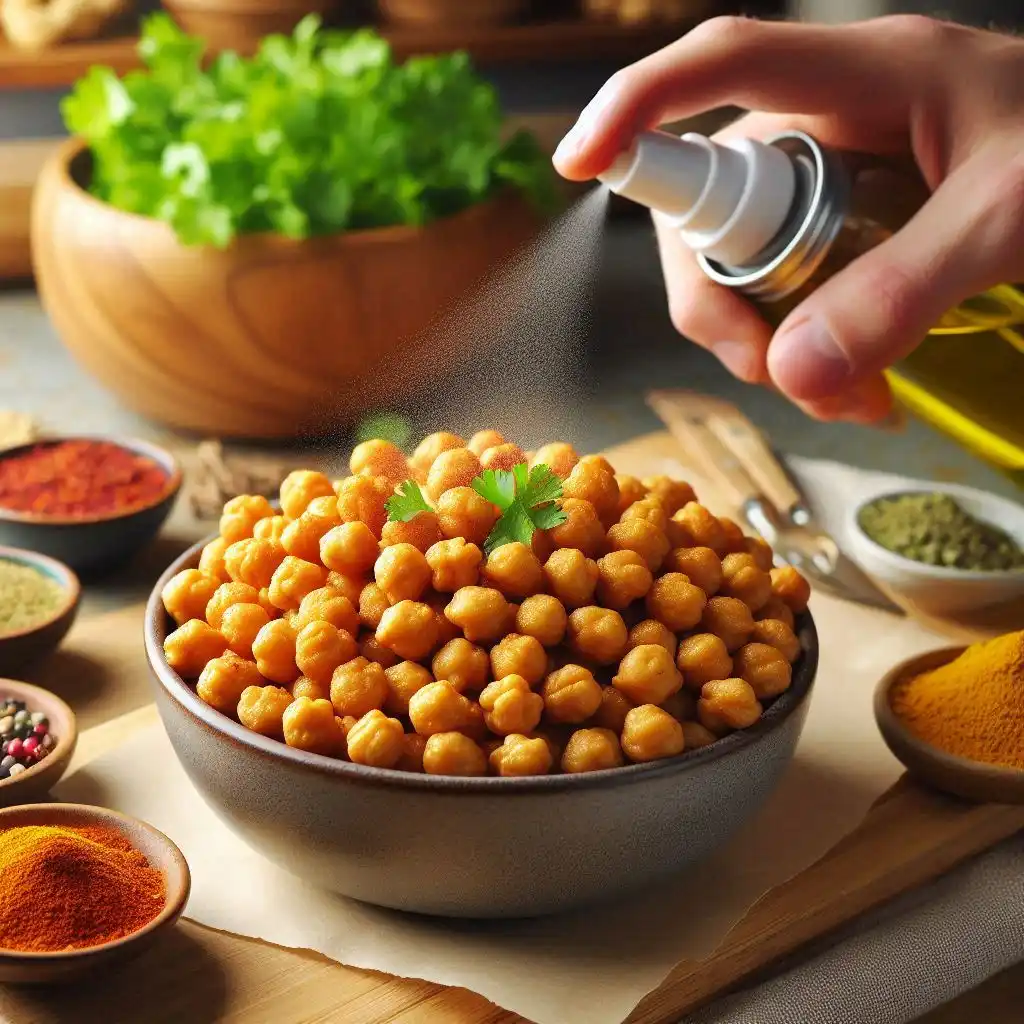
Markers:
<point>388,619</point>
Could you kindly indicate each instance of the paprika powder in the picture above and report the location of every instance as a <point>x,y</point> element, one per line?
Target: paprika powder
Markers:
<point>65,888</point>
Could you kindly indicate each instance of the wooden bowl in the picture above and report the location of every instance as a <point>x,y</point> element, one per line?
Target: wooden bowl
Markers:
<point>34,783</point>
<point>270,338</point>
<point>452,12</point>
<point>972,780</point>
<point>18,650</point>
<point>49,968</point>
<point>241,24</point>
<point>91,544</point>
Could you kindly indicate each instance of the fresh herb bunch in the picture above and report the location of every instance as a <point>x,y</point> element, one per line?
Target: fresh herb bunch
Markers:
<point>319,132</point>
<point>527,499</point>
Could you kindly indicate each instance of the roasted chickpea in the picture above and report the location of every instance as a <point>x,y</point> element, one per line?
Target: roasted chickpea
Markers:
<point>623,577</point>
<point>452,753</point>
<point>464,665</point>
<point>376,740</point>
<point>379,458</point>
<point>597,462</point>
<point>702,565</point>
<point>241,514</point>
<point>693,526</point>
<point>521,755</point>
<point>571,577</point>
<point>761,550</point>
<point>612,712</point>
<point>651,631</point>
<point>445,630</point>
<point>590,750</point>
<point>373,603</point>
<point>484,439</point>
<point>794,590</point>
<point>421,531</point>
<point>650,510</point>
<point>429,449</point>
<point>571,694</point>
<point>253,561</point>
<point>582,528</point>
<point>262,708</point>
<point>211,561</point>
<point>765,668</point>
<point>519,655</point>
<point>372,650</point>
<point>674,600</point>
<point>303,687</point>
<point>703,657</point>
<point>642,537</point>
<point>439,707</point>
<point>727,704</point>
<point>592,482</point>
<point>346,586</point>
<point>312,725</point>
<point>456,467</point>
<point>326,605</point>
<point>541,545</point>
<point>404,679</point>
<point>320,648</point>
<point>742,579</point>
<point>558,456</point>
<point>778,635</point>
<point>480,612</point>
<point>696,736</point>
<point>363,499</point>
<point>647,675</point>
<point>358,686</point>
<point>454,564</point>
<point>408,628</point>
<point>461,512</point>
<point>240,624</point>
<point>649,734</point>
<point>413,746</point>
<point>510,706</point>
<point>350,548</point>
<point>729,618</point>
<point>630,490</point>
<point>186,595</point>
<point>267,605</point>
<point>402,573</point>
<point>224,679</point>
<point>544,618</point>
<point>776,608</point>
<point>682,705</point>
<point>225,596</point>
<point>475,727</point>
<point>274,651</point>
<point>502,456</point>
<point>735,541</point>
<point>293,579</point>
<point>302,536</point>
<point>270,528</point>
<point>673,494</point>
<point>299,488</point>
<point>597,634</point>
<point>514,570</point>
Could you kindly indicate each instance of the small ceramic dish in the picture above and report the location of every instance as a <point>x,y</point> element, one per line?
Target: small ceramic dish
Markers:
<point>47,968</point>
<point>35,782</point>
<point>972,780</point>
<point>28,645</point>
<point>934,590</point>
<point>94,543</point>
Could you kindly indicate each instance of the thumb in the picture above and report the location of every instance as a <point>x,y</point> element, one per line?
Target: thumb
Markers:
<point>880,307</point>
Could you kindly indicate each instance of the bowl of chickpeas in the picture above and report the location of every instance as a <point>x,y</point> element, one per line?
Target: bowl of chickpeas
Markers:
<point>477,681</point>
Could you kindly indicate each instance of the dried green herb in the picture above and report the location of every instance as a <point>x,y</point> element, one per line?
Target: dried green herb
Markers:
<point>935,530</point>
<point>27,597</point>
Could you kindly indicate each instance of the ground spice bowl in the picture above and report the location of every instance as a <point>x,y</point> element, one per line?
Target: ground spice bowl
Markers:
<point>959,776</point>
<point>50,968</point>
<point>93,544</point>
<point>34,783</point>
<point>26,646</point>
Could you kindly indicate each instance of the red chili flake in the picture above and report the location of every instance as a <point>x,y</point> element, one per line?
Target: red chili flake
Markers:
<point>79,479</point>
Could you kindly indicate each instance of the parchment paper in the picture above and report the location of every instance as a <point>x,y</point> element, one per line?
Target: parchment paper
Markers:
<point>591,967</point>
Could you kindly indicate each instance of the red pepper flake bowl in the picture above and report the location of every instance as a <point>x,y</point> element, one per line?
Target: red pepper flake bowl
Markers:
<point>92,502</point>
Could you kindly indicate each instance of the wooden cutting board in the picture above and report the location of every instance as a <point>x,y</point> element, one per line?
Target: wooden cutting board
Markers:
<point>910,837</point>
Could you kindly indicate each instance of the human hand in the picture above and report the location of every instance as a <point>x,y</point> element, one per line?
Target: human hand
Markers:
<point>950,97</point>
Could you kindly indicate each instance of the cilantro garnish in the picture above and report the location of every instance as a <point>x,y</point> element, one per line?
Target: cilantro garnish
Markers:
<point>527,500</point>
<point>406,503</point>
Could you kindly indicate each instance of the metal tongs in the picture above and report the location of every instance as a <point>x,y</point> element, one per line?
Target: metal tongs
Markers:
<point>726,448</point>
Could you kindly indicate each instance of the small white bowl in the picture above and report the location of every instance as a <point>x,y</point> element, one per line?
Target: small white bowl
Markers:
<point>936,590</point>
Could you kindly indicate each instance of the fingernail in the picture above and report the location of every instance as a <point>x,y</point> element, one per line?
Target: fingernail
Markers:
<point>738,358</point>
<point>807,362</point>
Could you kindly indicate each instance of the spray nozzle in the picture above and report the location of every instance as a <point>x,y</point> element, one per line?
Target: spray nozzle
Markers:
<point>728,199</point>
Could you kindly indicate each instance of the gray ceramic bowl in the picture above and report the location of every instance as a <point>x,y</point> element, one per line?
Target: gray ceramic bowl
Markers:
<point>479,847</point>
<point>98,543</point>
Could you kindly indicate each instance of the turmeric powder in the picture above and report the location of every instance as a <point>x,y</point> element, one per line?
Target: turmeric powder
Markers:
<point>972,707</point>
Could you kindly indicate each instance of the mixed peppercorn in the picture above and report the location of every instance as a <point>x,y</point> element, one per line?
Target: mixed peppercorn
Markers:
<point>25,738</point>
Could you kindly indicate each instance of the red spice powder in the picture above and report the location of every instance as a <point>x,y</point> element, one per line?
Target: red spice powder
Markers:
<point>79,479</point>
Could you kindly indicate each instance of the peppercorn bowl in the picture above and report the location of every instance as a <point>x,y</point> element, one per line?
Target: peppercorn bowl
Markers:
<point>90,542</point>
<point>44,968</point>
<point>481,847</point>
<point>27,639</point>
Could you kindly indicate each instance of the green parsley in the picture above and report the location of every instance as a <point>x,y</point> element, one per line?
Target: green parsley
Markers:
<point>406,503</point>
<point>528,500</point>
